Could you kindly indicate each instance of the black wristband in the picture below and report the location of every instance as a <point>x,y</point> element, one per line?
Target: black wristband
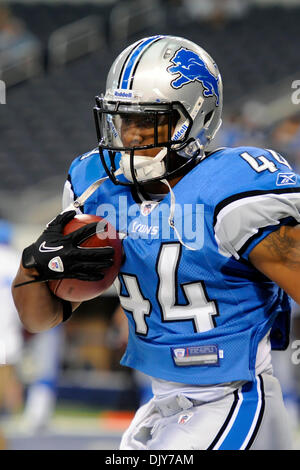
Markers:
<point>67,310</point>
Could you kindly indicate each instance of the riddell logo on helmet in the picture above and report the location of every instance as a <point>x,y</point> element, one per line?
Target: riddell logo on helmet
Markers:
<point>123,94</point>
<point>180,132</point>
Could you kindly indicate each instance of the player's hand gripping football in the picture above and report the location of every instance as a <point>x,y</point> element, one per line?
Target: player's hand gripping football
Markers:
<point>57,256</point>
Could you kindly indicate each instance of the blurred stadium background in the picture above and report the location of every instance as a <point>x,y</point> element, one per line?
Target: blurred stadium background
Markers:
<point>68,390</point>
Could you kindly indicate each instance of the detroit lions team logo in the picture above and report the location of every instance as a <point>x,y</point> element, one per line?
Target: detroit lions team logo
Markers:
<point>190,68</point>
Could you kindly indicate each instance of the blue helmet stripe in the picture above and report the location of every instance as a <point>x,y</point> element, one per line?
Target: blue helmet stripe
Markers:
<point>133,59</point>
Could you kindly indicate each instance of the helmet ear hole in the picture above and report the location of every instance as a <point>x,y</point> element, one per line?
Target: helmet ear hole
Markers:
<point>208,117</point>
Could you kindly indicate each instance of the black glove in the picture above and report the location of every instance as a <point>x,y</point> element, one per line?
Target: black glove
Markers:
<point>57,256</point>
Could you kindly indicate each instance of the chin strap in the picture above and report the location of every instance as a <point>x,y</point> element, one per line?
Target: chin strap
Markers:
<point>145,167</point>
<point>94,186</point>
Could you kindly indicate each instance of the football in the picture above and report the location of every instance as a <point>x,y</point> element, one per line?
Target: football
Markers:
<point>76,290</point>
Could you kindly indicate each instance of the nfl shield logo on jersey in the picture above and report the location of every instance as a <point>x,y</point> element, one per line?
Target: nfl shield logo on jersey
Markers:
<point>184,418</point>
<point>147,207</point>
<point>179,352</point>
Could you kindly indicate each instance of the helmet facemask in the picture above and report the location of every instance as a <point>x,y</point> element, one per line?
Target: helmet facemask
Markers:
<point>145,134</point>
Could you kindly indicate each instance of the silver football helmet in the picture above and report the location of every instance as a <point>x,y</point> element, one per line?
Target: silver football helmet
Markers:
<point>171,89</point>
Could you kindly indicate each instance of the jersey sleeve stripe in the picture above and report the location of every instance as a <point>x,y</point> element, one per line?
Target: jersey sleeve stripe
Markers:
<point>69,179</point>
<point>235,197</point>
<point>284,221</point>
<point>242,217</point>
<point>69,196</point>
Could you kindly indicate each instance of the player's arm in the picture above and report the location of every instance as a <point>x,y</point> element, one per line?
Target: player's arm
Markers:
<point>278,257</point>
<point>38,308</point>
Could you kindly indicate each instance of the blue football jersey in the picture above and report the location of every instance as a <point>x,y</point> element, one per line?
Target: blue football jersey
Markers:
<point>197,308</point>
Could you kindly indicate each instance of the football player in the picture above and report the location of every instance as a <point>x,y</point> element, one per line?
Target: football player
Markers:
<point>212,252</point>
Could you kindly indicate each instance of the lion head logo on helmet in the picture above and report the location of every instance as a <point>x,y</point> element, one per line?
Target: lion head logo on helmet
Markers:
<point>190,68</point>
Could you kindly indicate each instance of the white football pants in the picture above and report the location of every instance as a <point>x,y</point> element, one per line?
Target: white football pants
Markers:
<point>252,417</point>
